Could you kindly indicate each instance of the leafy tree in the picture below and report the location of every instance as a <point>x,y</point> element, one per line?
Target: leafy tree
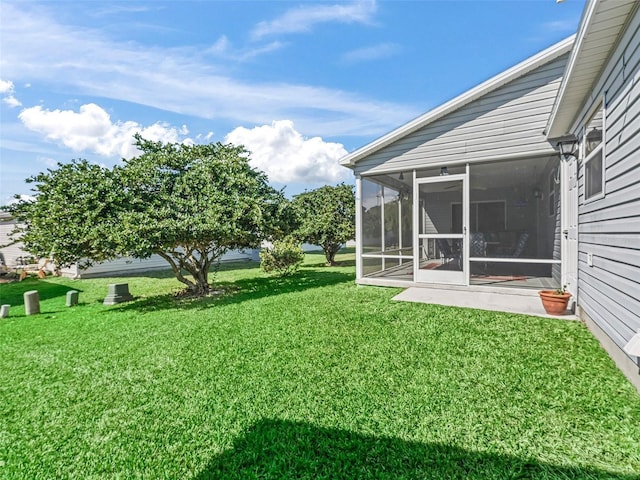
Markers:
<point>70,219</point>
<point>187,203</point>
<point>327,217</point>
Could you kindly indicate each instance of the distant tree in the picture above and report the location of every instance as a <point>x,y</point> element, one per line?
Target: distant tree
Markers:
<point>326,217</point>
<point>189,204</point>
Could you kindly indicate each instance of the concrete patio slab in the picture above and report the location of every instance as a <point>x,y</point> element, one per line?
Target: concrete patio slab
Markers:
<point>525,302</point>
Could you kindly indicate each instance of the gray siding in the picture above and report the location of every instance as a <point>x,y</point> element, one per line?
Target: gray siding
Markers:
<point>506,122</point>
<point>609,228</point>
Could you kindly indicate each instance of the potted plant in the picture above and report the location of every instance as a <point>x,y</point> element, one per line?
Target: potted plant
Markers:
<point>555,301</point>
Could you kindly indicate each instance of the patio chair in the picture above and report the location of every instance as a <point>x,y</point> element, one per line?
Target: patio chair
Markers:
<point>478,248</point>
<point>522,242</point>
<point>478,245</point>
<point>447,254</point>
<point>519,248</point>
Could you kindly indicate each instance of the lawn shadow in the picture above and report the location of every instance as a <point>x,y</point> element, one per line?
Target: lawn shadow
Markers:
<point>284,449</point>
<point>12,293</point>
<point>244,289</point>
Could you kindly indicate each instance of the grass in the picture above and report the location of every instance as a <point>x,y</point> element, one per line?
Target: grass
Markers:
<point>309,376</point>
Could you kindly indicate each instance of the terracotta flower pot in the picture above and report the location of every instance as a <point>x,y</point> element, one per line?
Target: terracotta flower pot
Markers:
<point>554,303</point>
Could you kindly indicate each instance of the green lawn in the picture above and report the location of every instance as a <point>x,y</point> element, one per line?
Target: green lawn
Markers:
<point>305,377</point>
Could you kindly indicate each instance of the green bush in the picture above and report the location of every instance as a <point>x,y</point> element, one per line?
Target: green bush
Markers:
<point>283,258</point>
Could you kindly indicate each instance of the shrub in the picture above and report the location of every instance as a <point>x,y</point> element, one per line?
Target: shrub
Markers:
<point>283,258</point>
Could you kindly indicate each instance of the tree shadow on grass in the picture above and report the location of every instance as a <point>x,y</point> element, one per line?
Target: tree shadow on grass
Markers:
<point>12,293</point>
<point>284,449</point>
<point>243,290</point>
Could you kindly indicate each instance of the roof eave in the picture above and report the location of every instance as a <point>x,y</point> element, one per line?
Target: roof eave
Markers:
<point>554,129</point>
<point>484,88</point>
<point>560,125</point>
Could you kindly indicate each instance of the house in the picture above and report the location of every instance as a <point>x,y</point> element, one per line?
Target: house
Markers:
<point>476,192</point>
<point>598,108</point>
<point>13,255</point>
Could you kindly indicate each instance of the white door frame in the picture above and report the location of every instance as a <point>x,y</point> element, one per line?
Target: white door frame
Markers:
<point>569,222</point>
<point>450,277</point>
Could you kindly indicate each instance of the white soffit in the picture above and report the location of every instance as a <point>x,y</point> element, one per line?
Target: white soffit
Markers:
<point>484,88</point>
<point>602,22</point>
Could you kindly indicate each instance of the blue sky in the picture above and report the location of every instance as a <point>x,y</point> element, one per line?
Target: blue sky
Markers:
<point>299,83</point>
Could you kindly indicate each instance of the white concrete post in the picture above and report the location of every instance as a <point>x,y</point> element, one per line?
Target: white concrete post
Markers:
<point>72,298</point>
<point>31,302</point>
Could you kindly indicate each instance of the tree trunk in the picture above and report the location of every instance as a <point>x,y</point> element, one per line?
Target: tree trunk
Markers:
<point>196,260</point>
<point>202,280</point>
<point>330,250</point>
<point>199,269</point>
<point>176,269</point>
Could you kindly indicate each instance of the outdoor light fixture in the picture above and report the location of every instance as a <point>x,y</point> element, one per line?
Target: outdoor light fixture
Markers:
<point>444,171</point>
<point>568,148</point>
<point>537,193</point>
<point>401,177</point>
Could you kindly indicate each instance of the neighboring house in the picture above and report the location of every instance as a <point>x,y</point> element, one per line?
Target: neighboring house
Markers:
<point>121,266</point>
<point>14,256</point>
<point>475,193</point>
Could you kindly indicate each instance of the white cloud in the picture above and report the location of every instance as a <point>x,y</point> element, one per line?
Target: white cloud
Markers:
<point>304,18</point>
<point>12,101</point>
<point>285,155</point>
<point>6,87</point>
<point>375,52</point>
<point>206,137</point>
<point>221,46</point>
<point>37,48</point>
<point>48,161</point>
<point>224,49</point>
<point>91,129</point>
<point>22,198</point>
<point>567,25</point>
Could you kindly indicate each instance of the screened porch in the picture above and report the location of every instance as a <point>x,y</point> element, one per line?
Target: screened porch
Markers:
<point>493,224</point>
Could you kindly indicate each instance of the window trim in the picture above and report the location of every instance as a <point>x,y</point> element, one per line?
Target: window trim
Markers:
<point>599,149</point>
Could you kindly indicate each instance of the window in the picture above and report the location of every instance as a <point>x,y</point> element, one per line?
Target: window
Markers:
<point>593,176</point>
<point>484,216</point>
<point>594,157</point>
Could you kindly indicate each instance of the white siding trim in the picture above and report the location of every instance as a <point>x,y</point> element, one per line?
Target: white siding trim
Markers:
<point>596,40</point>
<point>358,227</point>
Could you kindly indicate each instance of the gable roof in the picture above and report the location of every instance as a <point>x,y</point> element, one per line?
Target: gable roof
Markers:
<point>601,24</point>
<point>484,88</point>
